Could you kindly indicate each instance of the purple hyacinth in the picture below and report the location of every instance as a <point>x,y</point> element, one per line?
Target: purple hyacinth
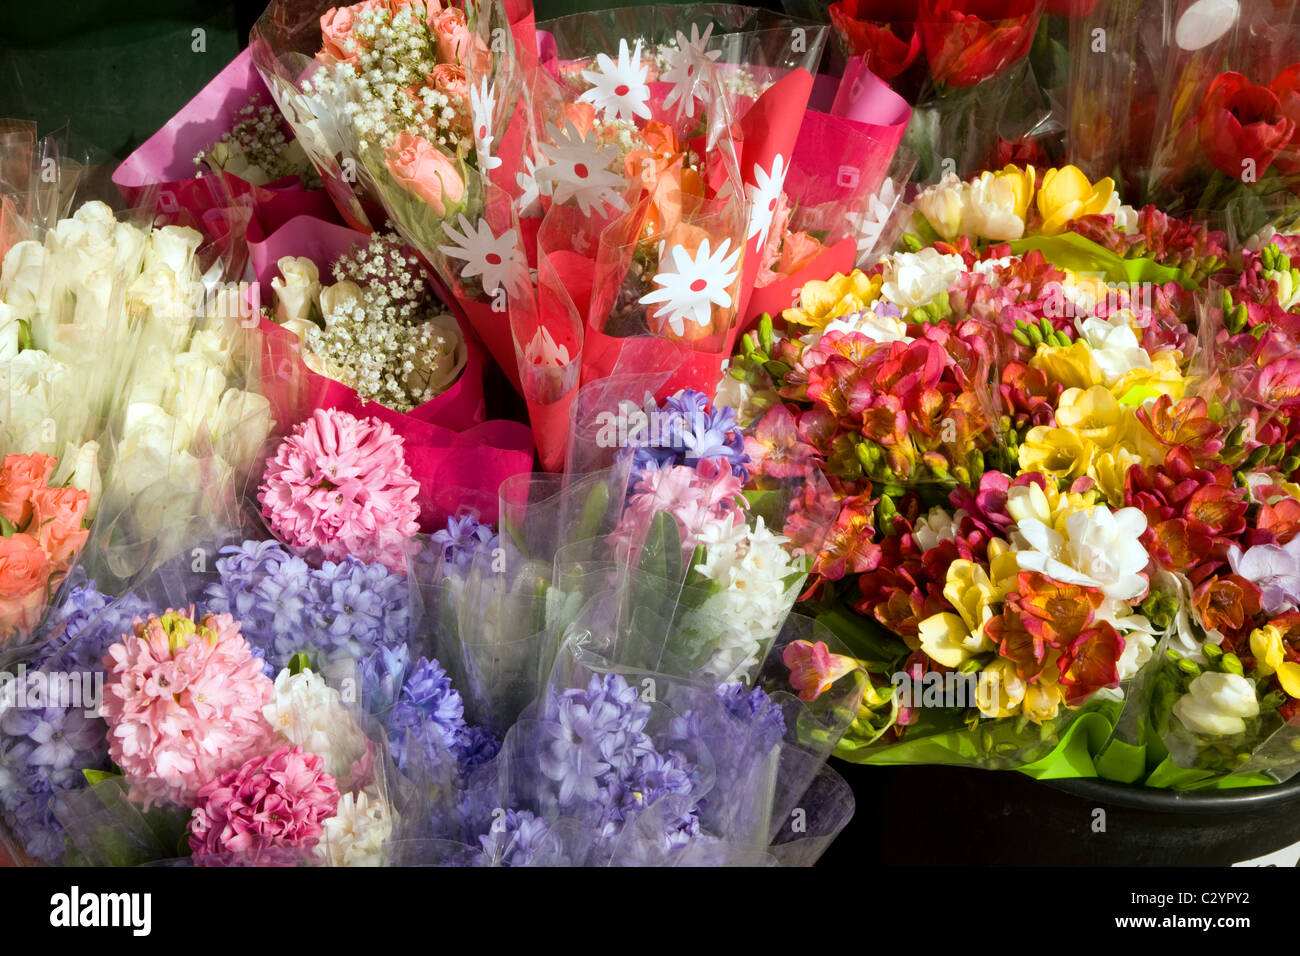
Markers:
<point>590,734</point>
<point>461,541</point>
<point>688,429</point>
<point>514,840</point>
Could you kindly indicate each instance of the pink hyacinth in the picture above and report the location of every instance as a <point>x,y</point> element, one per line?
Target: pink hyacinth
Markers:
<point>341,484</point>
<point>183,703</point>
<point>704,498</point>
<point>270,803</point>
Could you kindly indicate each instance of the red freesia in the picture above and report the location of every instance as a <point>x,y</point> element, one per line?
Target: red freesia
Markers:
<point>1239,121</point>
<point>813,668</point>
<point>967,41</point>
<point>1090,663</point>
<point>883,33</point>
<point>1228,604</point>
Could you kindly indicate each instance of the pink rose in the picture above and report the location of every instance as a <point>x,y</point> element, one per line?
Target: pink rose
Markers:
<point>24,573</point>
<point>456,44</point>
<point>420,168</point>
<point>20,475</point>
<point>798,250</point>
<point>57,514</point>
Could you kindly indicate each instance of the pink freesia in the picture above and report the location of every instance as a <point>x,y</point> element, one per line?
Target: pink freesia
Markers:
<point>813,668</point>
<point>776,450</point>
<point>341,484</point>
<point>183,703</point>
<point>270,803</point>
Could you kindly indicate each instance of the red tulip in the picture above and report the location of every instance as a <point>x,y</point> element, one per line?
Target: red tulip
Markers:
<point>1287,90</point>
<point>883,33</point>
<point>1238,121</point>
<point>967,41</point>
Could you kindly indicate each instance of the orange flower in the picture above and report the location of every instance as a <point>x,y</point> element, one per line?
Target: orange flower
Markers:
<point>582,116</point>
<point>1226,603</point>
<point>24,574</point>
<point>20,477</point>
<point>1054,612</point>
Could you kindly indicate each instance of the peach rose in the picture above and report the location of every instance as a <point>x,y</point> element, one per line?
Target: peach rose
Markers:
<point>24,574</point>
<point>420,168</point>
<point>449,79</point>
<point>20,475</point>
<point>57,514</point>
<point>456,44</point>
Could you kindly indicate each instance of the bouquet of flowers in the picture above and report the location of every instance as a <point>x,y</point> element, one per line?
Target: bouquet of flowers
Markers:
<point>1005,443</point>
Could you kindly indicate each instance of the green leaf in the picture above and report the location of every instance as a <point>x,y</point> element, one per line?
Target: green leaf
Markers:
<point>592,514</point>
<point>95,776</point>
<point>299,662</point>
<point>6,529</point>
<point>1079,254</point>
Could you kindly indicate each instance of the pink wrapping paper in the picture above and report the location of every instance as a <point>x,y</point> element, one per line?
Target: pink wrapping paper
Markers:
<point>448,444</point>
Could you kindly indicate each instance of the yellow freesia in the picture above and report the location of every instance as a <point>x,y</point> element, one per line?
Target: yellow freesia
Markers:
<point>943,637</point>
<point>1066,194</point>
<point>1109,469</point>
<point>1097,416</point>
<point>821,302</point>
<point>969,590</point>
<point>1042,700</point>
<point>999,689</point>
<point>1020,182</point>
<point>1003,568</point>
<point>1266,646</point>
<point>1057,452</point>
<point>1165,377</point>
<point>1072,366</point>
<point>1050,506</point>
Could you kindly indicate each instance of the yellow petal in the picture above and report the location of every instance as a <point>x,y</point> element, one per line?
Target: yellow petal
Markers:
<point>1288,675</point>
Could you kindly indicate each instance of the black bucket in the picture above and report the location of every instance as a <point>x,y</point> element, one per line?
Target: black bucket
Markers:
<point>948,816</point>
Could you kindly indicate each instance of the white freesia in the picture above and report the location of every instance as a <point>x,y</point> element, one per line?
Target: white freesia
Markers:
<point>1115,346</point>
<point>878,328</point>
<point>358,833</point>
<point>943,206</point>
<point>1217,704</point>
<point>296,289</point>
<point>1098,549</point>
<point>310,713</point>
<point>914,279</point>
<point>1138,647</point>
<point>990,209</point>
<point>936,526</point>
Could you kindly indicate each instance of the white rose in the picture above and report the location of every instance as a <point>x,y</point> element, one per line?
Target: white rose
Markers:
<point>79,468</point>
<point>9,329</point>
<point>241,424</point>
<point>21,278</point>
<point>296,288</point>
<point>174,247</point>
<point>914,279</point>
<point>162,303</point>
<point>37,393</point>
<point>153,429</point>
<point>1217,705</point>
<point>341,298</point>
<point>193,393</point>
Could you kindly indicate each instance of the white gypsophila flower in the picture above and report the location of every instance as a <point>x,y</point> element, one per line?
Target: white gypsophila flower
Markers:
<point>914,279</point>
<point>1217,704</point>
<point>936,526</point>
<point>1115,346</point>
<point>1096,548</point>
<point>296,288</point>
<point>359,831</point>
<point>309,713</point>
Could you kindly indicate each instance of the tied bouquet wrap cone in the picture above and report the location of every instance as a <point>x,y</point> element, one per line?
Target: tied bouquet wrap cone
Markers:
<point>448,444</point>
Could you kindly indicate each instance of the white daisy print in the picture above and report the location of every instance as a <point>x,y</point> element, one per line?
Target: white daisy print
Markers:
<point>544,352</point>
<point>688,63</point>
<point>497,259</point>
<point>619,90</point>
<point>763,195</point>
<point>690,288</point>
<point>531,189</point>
<point>577,169</point>
<point>870,222</point>
<point>482,102</point>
